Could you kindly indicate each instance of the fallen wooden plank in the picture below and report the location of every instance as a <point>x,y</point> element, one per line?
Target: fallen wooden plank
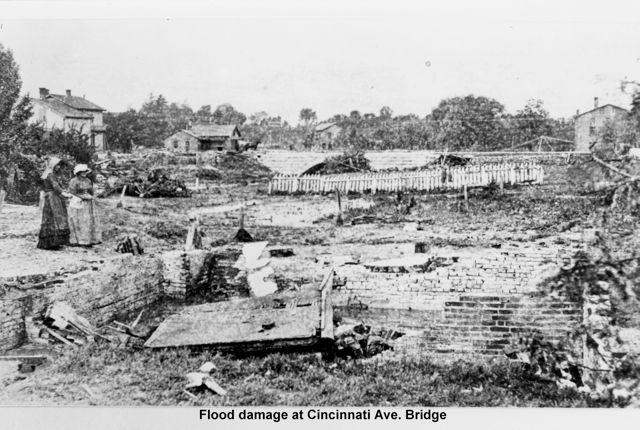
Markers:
<point>23,357</point>
<point>239,325</point>
<point>193,396</point>
<point>326,323</point>
<point>137,320</point>
<point>58,337</point>
<point>86,388</point>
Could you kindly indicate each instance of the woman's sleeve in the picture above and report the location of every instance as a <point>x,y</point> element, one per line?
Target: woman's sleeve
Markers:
<point>73,186</point>
<point>54,184</point>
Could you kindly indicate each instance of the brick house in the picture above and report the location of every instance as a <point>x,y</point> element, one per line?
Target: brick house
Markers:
<point>589,125</point>
<point>207,137</point>
<point>67,112</point>
<point>326,134</point>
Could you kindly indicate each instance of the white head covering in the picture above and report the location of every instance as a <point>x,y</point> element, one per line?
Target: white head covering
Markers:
<point>81,168</point>
<point>53,162</point>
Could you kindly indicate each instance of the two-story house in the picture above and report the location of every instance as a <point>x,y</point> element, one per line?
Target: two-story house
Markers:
<point>590,125</point>
<point>68,112</point>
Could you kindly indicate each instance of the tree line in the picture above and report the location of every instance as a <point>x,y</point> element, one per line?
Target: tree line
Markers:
<point>457,123</point>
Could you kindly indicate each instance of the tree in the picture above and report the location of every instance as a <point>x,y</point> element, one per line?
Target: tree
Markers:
<point>155,107</point>
<point>180,116</point>
<point>386,113</point>
<point>531,122</point>
<point>10,83</point>
<point>308,116</point>
<point>124,130</point>
<point>634,119</point>
<point>226,114</point>
<point>204,114</point>
<point>468,123</point>
<point>258,118</point>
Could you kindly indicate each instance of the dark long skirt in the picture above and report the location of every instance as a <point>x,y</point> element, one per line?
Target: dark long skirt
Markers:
<point>54,231</point>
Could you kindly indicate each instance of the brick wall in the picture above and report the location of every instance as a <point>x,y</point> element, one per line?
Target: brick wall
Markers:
<point>12,326</point>
<point>119,287</point>
<point>179,270</point>
<point>465,304</point>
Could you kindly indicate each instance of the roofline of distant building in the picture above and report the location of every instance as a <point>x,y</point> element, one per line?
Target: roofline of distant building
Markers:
<point>600,107</point>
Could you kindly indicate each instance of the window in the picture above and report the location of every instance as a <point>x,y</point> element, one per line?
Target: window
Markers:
<point>186,146</point>
<point>175,143</point>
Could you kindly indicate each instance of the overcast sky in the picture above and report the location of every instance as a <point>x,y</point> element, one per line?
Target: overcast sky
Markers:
<point>331,56</point>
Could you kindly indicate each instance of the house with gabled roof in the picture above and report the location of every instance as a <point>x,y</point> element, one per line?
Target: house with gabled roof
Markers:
<point>590,126</point>
<point>67,112</point>
<point>205,137</point>
<point>326,133</point>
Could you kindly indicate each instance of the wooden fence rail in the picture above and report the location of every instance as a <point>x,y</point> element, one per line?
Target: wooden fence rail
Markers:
<point>439,178</point>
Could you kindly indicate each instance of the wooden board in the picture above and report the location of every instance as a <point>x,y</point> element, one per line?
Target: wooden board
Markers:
<point>297,319</point>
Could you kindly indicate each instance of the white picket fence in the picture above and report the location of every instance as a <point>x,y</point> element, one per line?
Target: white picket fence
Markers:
<point>439,178</point>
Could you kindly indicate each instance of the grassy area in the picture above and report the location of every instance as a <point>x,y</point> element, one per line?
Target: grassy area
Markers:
<point>150,377</point>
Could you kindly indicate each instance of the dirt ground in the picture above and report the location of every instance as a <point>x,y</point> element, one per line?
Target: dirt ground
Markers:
<point>554,212</point>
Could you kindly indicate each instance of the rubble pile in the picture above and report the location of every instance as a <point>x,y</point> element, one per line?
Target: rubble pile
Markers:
<point>601,356</point>
<point>63,325</point>
<point>156,184</point>
<point>114,176</point>
<point>358,340</point>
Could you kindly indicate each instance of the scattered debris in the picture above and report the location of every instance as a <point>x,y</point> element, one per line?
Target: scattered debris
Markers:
<point>358,340</point>
<point>57,336</point>
<point>243,236</point>
<point>199,379</point>
<point>281,252</point>
<point>88,390</point>
<point>120,202</point>
<point>66,326</point>
<point>451,160</point>
<point>125,332</point>
<point>257,269</point>
<point>421,247</point>
<point>26,363</point>
<point>207,367</point>
<point>156,184</point>
<point>131,245</point>
<point>364,219</point>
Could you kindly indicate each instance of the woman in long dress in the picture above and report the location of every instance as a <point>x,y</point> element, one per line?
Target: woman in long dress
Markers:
<point>54,230</point>
<point>83,217</point>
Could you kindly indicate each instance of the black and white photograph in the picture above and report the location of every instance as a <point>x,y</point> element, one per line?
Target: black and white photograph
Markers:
<point>355,208</point>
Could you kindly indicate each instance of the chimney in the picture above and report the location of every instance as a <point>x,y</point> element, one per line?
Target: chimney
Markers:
<point>577,112</point>
<point>595,102</point>
<point>44,93</point>
<point>68,93</point>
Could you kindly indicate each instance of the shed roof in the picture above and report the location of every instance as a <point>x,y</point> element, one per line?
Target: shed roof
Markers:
<point>203,131</point>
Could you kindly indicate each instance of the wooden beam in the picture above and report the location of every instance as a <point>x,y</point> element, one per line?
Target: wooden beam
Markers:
<point>326,308</point>
<point>615,169</point>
